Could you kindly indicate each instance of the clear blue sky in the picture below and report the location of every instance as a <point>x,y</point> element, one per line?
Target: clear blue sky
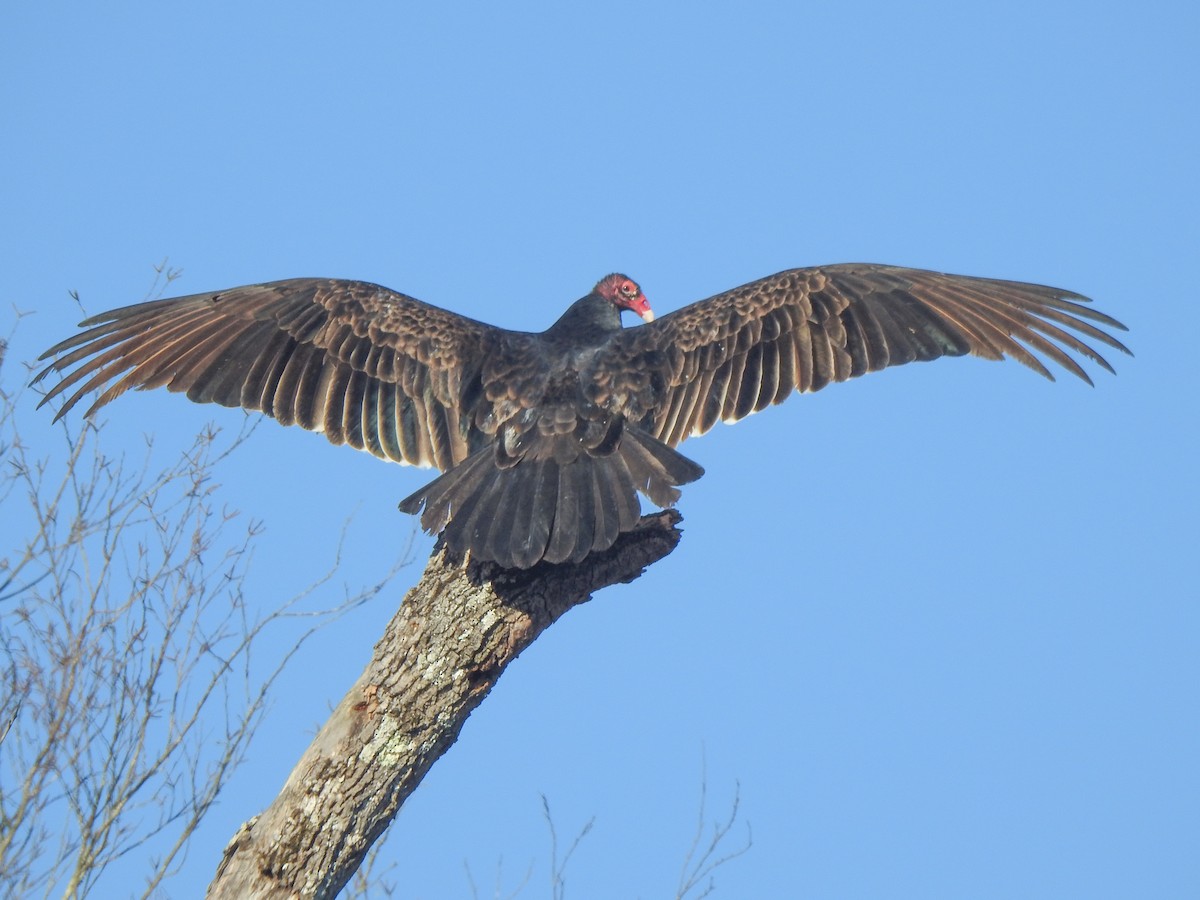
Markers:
<point>941,624</point>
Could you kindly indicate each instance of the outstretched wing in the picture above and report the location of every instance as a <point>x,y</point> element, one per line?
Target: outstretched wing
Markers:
<point>364,365</point>
<point>741,351</point>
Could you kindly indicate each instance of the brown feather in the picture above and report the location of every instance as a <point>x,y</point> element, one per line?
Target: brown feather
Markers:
<point>803,329</point>
<point>545,440</point>
<point>325,354</point>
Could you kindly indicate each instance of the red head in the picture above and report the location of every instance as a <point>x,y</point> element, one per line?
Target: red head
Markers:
<point>623,293</point>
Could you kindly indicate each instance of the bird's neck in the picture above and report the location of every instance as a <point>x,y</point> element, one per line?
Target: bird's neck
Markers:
<point>590,321</point>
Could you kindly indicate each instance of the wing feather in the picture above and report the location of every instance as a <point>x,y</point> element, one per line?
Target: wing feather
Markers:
<point>366,366</point>
<point>768,381</point>
<point>751,381</point>
<point>800,330</point>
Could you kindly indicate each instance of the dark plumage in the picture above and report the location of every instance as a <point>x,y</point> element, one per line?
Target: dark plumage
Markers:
<point>545,439</point>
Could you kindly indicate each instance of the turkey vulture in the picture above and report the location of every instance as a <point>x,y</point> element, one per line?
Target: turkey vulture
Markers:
<point>544,440</point>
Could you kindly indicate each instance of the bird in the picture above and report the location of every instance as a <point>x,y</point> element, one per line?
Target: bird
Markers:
<point>545,440</point>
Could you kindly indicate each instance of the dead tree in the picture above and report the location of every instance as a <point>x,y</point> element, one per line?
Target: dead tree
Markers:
<point>442,652</point>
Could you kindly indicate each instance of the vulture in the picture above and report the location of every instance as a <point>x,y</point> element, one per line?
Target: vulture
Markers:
<point>544,440</point>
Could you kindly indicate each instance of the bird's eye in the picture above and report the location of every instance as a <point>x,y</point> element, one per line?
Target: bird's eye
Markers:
<point>628,288</point>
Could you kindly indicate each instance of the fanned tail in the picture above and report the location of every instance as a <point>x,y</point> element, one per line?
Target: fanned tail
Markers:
<point>547,505</point>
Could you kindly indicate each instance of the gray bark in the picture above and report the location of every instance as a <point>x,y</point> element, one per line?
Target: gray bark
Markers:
<point>440,655</point>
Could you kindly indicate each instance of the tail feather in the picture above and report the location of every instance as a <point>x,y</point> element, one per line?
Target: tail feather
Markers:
<point>540,508</point>
<point>604,507</point>
<point>535,515</point>
<point>520,529</point>
<point>498,535</point>
<point>442,497</point>
<point>480,513</point>
<point>656,468</point>
<point>628,508</point>
<point>585,515</point>
<point>566,514</point>
<point>468,501</point>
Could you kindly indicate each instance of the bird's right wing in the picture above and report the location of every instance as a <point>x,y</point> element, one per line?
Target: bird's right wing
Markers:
<point>723,358</point>
<point>364,365</point>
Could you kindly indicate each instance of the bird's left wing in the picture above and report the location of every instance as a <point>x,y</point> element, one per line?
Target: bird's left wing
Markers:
<point>366,366</point>
<point>736,353</point>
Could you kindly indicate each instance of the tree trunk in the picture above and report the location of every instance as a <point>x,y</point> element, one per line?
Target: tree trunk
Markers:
<point>454,634</point>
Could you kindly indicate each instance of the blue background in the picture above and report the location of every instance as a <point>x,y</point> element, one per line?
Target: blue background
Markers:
<point>940,624</point>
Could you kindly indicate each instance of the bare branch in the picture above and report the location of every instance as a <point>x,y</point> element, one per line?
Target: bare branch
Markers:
<point>702,860</point>
<point>127,641</point>
<point>558,870</point>
<point>497,888</point>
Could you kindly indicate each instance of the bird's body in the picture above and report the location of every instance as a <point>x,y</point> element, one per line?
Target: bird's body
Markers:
<point>545,439</point>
